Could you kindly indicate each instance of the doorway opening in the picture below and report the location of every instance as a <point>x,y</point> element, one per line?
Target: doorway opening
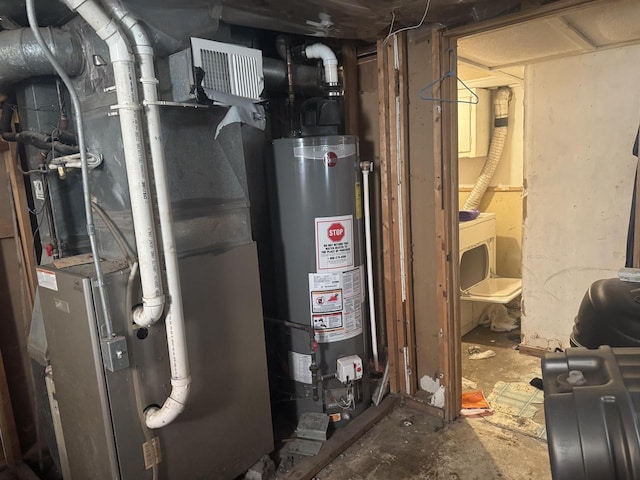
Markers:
<point>552,217</point>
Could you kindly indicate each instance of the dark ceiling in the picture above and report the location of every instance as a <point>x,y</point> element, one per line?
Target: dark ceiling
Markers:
<point>349,19</point>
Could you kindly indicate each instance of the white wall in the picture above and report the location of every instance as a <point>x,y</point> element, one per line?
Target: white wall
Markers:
<point>581,117</point>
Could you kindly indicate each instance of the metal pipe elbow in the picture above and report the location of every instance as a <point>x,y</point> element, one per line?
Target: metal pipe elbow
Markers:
<point>173,406</point>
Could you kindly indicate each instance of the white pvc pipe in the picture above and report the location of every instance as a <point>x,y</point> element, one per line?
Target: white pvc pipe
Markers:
<point>501,111</point>
<point>176,335</point>
<point>135,158</point>
<point>329,61</point>
<point>367,167</point>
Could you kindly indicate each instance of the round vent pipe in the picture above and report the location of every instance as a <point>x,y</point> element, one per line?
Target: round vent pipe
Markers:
<point>501,127</point>
<point>23,58</point>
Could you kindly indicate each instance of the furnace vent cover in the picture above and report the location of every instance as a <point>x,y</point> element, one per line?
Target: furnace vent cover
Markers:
<point>229,68</point>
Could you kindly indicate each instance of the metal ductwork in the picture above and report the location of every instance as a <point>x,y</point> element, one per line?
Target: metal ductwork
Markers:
<point>23,58</point>
<point>306,79</point>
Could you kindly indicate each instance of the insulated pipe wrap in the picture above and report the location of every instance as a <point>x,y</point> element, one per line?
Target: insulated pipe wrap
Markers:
<point>23,58</point>
<point>501,112</point>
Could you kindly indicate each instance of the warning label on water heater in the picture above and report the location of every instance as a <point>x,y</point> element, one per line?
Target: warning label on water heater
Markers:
<point>334,242</point>
<point>336,304</point>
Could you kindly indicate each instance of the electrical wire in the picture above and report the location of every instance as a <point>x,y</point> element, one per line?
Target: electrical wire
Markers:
<point>124,246</point>
<point>404,29</point>
<point>77,110</point>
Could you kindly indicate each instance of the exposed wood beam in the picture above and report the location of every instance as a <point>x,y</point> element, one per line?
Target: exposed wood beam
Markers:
<point>396,234</point>
<point>445,154</point>
<point>573,34</point>
<point>386,195</point>
<point>19,195</point>
<point>350,84</point>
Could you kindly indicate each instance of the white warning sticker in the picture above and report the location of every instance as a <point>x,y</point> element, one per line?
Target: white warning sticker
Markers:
<point>334,242</point>
<point>47,279</point>
<point>352,282</point>
<point>299,364</point>
<point>325,281</point>
<point>326,301</point>
<point>38,189</point>
<point>336,304</point>
<point>327,322</point>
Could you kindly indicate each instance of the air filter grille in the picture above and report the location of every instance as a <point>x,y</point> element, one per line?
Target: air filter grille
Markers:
<point>229,68</point>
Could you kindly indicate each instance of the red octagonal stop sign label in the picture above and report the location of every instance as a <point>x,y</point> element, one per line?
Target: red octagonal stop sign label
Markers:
<point>335,232</point>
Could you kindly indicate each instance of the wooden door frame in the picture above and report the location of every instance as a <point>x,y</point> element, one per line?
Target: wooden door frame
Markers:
<point>395,199</point>
<point>446,161</point>
<point>394,144</point>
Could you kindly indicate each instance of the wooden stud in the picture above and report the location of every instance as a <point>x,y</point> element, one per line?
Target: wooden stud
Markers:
<point>22,215</point>
<point>453,367</point>
<point>402,213</point>
<point>392,170</point>
<point>350,86</point>
<point>440,254</point>
<point>387,227</point>
<point>445,172</point>
<point>8,431</point>
<point>392,94</point>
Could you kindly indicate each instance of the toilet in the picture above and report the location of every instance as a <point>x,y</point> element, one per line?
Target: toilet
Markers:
<point>479,284</point>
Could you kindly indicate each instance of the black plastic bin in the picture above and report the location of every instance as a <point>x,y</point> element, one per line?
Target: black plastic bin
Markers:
<point>592,428</point>
<point>608,315</point>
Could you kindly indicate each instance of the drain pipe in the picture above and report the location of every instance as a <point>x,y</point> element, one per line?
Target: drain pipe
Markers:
<point>135,158</point>
<point>329,61</point>
<point>176,335</point>
<point>367,168</point>
<point>501,126</point>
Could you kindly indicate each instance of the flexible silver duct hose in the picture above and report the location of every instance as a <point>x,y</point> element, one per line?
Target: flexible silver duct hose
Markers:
<point>22,56</point>
<point>501,110</point>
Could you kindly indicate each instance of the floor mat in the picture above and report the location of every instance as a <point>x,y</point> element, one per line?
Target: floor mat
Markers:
<point>514,406</point>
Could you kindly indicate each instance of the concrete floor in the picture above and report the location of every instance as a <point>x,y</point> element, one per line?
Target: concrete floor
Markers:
<point>409,444</point>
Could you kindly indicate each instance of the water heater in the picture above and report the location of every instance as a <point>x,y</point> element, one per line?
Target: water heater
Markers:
<point>320,254</point>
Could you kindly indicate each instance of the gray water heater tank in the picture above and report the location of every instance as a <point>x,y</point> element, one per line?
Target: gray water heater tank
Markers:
<point>320,255</point>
